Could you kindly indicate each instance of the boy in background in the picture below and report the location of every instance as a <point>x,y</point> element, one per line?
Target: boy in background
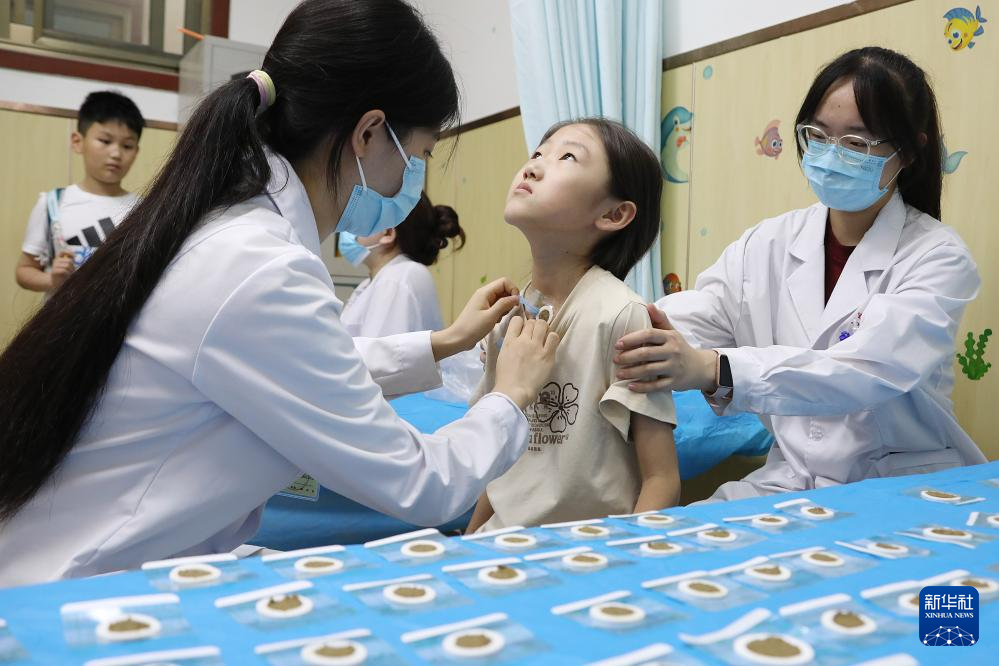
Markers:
<point>68,224</point>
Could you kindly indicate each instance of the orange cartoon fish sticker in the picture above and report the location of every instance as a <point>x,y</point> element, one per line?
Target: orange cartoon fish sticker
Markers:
<point>770,144</point>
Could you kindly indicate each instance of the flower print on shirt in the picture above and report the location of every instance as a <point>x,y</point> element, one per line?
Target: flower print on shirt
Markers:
<point>557,406</point>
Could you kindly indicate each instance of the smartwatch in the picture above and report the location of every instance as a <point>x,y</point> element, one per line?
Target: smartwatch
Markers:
<point>724,372</point>
<point>725,383</point>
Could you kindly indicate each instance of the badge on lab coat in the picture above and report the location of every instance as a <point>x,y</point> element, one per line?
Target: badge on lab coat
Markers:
<point>852,327</point>
<point>303,488</point>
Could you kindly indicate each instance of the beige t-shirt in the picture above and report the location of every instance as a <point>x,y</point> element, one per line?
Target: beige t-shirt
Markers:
<point>579,461</point>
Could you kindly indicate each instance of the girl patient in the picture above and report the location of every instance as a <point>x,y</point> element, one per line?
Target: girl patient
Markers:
<point>588,203</point>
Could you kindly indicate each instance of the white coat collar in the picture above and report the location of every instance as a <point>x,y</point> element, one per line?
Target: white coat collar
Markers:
<point>874,253</point>
<point>394,261</point>
<point>876,248</point>
<point>286,191</point>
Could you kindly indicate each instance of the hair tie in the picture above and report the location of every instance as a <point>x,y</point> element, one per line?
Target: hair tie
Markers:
<point>265,86</point>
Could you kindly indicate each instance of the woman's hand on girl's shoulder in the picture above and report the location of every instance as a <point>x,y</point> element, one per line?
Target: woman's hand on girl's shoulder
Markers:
<point>660,358</point>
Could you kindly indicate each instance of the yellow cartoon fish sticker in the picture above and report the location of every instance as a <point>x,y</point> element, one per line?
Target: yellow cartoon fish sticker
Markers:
<point>962,27</point>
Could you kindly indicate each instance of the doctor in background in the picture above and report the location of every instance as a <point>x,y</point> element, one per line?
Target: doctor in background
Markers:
<point>399,295</point>
<point>836,323</point>
<point>197,362</point>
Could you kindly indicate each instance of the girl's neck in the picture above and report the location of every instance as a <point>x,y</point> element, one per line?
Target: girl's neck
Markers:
<point>555,273</point>
<point>376,261</point>
<point>93,186</point>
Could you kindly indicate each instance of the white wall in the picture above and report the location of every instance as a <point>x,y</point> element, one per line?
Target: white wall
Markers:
<point>67,92</point>
<point>691,24</point>
<point>475,35</point>
<point>478,40</point>
<point>257,21</point>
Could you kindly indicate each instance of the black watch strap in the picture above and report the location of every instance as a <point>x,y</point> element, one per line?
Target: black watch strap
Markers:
<point>724,372</point>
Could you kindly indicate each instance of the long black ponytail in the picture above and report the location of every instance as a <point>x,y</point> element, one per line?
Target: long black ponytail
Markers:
<point>332,61</point>
<point>896,101</point>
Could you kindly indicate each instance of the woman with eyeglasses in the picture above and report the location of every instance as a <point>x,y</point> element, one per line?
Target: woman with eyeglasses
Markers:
<point>836,323</point>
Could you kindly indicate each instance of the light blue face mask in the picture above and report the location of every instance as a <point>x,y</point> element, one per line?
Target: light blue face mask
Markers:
<point>368,212</point>
<point>351,250</point>
<point>843,186</point>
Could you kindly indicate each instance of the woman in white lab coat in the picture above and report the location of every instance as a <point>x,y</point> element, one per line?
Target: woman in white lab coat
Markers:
<point>197,363</point>
<point>836,323</point>
<point>399,295</point>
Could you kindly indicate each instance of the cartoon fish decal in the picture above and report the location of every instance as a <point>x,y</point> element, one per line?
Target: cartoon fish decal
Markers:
<point>671,284</point>
<point>962,27</point>
<point>675,136</point>
<point>770,144</point>
<point>950,162</point>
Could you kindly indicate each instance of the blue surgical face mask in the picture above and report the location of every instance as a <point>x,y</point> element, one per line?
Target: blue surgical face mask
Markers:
<point>351,250</point>
<point>368,212</point>
<point>843,186</point>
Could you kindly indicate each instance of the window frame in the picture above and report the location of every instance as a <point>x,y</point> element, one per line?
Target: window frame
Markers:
<point>214,20</point>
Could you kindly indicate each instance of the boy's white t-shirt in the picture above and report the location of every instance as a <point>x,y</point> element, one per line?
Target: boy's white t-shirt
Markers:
<point>85,221</point>
<point>580,462</point>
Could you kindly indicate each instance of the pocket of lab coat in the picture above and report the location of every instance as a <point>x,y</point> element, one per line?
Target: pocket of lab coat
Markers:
<point>839,447</point>
<point>917,462</point>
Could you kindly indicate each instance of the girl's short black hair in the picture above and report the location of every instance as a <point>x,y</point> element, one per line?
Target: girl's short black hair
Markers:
<point>426,231</point>
<point>897,103</point>
<point>109,106</point>
<point>635,175</point>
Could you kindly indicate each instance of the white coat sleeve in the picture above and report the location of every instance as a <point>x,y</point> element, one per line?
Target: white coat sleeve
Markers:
<point>401,364</point>
<point>277,359</point>
<point>904,336</point>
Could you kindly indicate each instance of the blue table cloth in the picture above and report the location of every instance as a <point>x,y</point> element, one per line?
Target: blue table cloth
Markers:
<point>880,509</point>
<point>702,440</point>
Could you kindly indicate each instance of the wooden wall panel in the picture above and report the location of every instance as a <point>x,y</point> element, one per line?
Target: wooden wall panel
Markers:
<point>441,189</point>
<point>480,171</point>
<point>37,160</point>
